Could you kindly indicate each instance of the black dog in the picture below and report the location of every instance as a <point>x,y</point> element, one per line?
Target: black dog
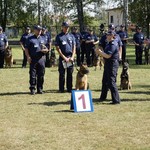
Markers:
<point>125,79</point>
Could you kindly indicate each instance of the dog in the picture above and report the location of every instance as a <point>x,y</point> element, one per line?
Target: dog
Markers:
<point>98,61</point>
<point>53,58</point>
<point>125,79</point>
<point>81,78</point>
<point>8,57</point>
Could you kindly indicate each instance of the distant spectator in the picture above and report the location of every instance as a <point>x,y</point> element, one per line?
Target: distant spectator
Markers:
<point>3,45</point>
<point>138,39</point>
<point>23,41</point>
<point>124,37</point>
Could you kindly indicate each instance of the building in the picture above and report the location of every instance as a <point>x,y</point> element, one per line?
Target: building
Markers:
<point>115,16</point>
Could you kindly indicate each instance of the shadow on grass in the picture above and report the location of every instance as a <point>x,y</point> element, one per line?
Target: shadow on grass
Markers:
<point>96,100</point>
<point>15,93</point>
<point>52,103</point>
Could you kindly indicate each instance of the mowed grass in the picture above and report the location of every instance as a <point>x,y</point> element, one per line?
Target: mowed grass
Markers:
<point>45,122</point>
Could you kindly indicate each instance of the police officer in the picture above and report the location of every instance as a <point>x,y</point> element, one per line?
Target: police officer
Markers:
<point>3,46</point>
<point>83,47</point>
<point>138,39</point>
<point>124,37</point>
<point>35,51</point>
<point>65,45</point>
<point>111,57</point>
<point>103,40</point>
<point>90,42</point>
<point>46,35</point>
<point>77,36</point>
<point>23,40</point>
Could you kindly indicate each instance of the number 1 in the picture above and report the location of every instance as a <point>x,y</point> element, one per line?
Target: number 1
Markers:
<point>83,101</point>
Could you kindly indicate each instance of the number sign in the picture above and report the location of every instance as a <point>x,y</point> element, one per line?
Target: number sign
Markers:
<point>82,100</point>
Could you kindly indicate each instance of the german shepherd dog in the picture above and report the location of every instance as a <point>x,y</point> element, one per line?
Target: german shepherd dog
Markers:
<point>81,78</point>
<point>8,57</point>
<point>98,61</point>
<point>125,79</point>
<point>52,58</point>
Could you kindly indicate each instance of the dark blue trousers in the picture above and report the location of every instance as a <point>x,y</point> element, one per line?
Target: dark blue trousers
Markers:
<point>138,53</point>
<point>69,78</point>
<point>37,71</point>
<point>109,81</point>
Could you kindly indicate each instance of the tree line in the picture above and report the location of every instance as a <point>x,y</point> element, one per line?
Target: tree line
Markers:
<point>21,13</point>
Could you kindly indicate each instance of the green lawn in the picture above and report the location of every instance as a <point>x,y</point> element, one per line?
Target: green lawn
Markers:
<point>44,122</point>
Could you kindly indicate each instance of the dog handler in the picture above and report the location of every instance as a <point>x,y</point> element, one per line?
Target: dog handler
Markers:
<point>3,46</point>
<point>111,57</point>
<point>35,52</point>
<point>65,45</point>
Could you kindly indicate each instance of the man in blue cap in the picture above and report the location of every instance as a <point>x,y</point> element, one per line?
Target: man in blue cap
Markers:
<point>124,37</point>
<point>23,40</point>
<point>78,37</point>
<point>3,46</point>
<point>35,50</point>
<point>111,57</point>
<point>138,40</point>
<point>46,35</point>
<point>65,45</point>
<point>103,41</point>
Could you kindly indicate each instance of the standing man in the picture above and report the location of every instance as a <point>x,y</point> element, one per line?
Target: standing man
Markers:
<point>23,41</point>
<point>77,36</point>
<point>111,57</point>
<point>138,40</point>
<point>35,50</point>
<point>90,42</point>
<point>65,45</point>
<point>103,41</point>
<point>124,37</point>
<point>83,47</point>
<point>3,46</point>
<point>46,35</point>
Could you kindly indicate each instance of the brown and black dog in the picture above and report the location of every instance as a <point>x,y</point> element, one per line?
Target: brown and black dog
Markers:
<point>147,51</point>
<point>8,57</point>
<point>52,58</point>
<point>81,78</point>
<point>125,78</point>
<point>98,61</point>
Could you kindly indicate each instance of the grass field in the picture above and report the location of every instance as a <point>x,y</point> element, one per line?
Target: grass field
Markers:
<point>44,122</point>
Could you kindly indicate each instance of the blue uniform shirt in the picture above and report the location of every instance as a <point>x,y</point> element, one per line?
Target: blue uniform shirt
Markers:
<point>47,39</point>
<point>66,42</point>
<point>77,39</point>
<point>112,49</point>
<point>3,40</point>
<point>138,38</point>
<point>103,41</point>
<point>90,37</point>
<point>34,45</point>
<point>24,38</point>
<point>123,34</point>
<point>84,35</point>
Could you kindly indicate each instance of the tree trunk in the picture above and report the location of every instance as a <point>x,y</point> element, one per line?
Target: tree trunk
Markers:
<point>80,14</point>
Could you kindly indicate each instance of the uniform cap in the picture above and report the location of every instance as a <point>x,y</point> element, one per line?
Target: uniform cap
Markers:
<point>111,26</point>
<point>111,33</point>
<point>122,26</point>
<point>44,28</point>
<point>27,28</point>
<point>74,28</point>
<point>1,28</point>
<point>65,24</point>
<point>37,27</point>
<point>139,28</point>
